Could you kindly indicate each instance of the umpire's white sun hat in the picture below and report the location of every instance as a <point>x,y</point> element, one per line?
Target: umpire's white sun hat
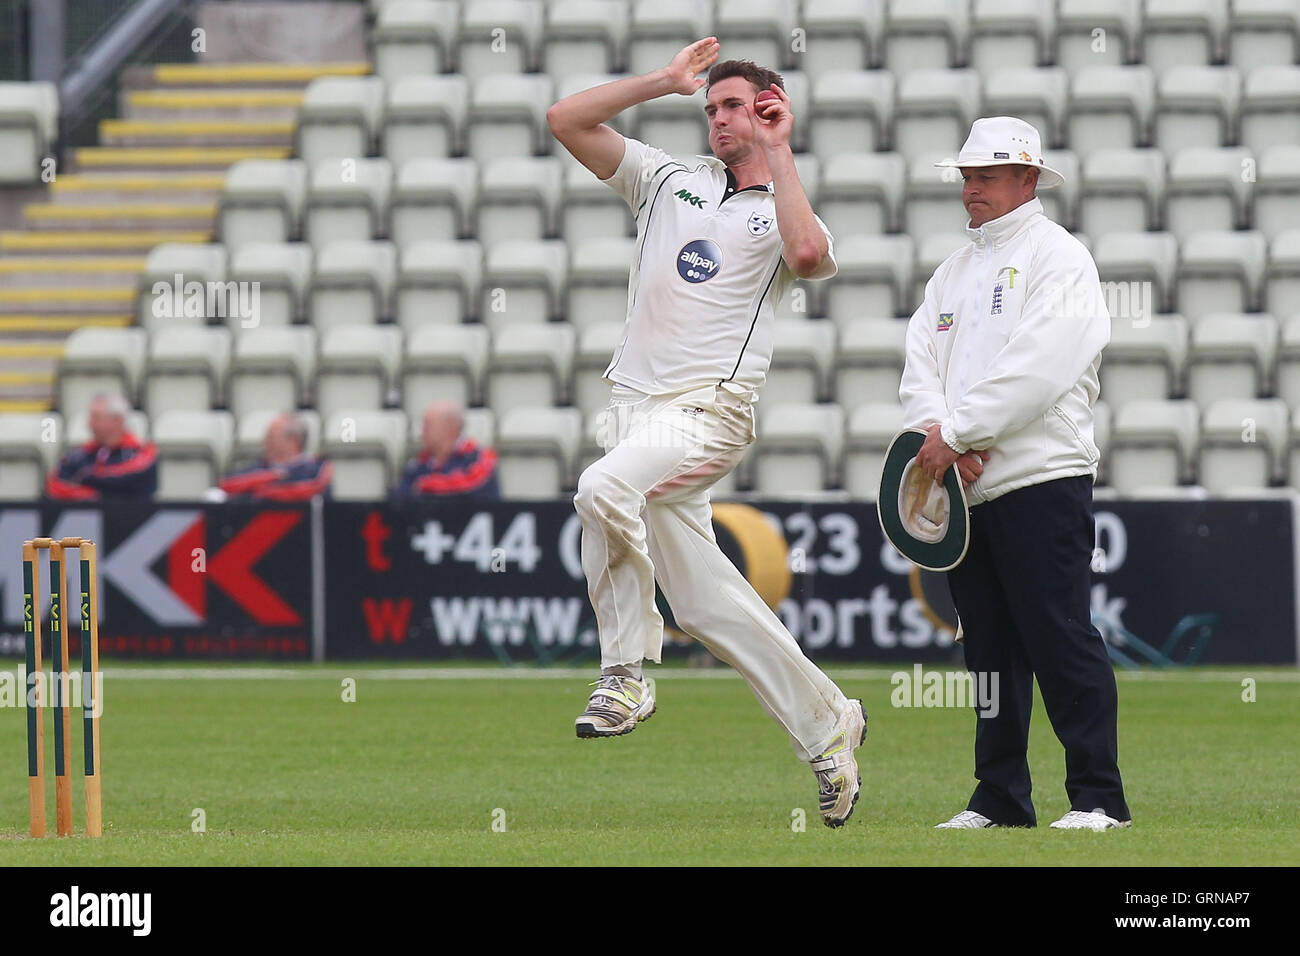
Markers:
<point>999,140</point>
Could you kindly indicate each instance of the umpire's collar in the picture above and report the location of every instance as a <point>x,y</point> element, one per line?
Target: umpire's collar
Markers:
<point>998,232</point>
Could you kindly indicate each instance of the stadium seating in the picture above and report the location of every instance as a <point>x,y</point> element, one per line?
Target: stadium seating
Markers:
<point>347,199</point>
<point>1207,189</point>
<point>29,126</point>
<point>530,367</point>
<point>414,37</point>
<point>424,117</point>
<point>598,281</point>
<point>519,197</point>
<point>438,282</point>
<point>1145,359</point>
<point>357,367</point>
<point>187,369</point>
<point>584,36</point>
<point>1152,443</point>
<point>1243,443</point>
<point>171,268</point>
<point>193,451</point>
<point>354,281</point>
<point>536,450</point>
<point>262,201</point>
<point>443,362</point>
<point>99,360</point>
<point>869,363</point>
<point>282,271</point>
<point>30,444</point>
<point>250,433</point>
<point>1231,356</point>
<point>367,450</point>
<point>802,352</point>
<point>872,426</point>
<point>272,368</point>
<point>434,199</point>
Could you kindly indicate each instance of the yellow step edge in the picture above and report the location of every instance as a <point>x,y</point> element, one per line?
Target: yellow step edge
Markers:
<point>213,99</point>
<point>102,156</point>
<point>62,323</point>
<point>26,378</point>
<point>31,350</point>
<point>59,294</point>
<point>120,211</point>
<point>25,406</point>
<point>75,182</point>
<point>53,239</point>
<point>178,73</point>
<point>196,127</point>
<point>74,264</point>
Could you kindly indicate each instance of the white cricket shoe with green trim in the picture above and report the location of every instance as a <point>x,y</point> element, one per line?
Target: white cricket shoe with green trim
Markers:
<point>616,706</point>
<point>838,782</point>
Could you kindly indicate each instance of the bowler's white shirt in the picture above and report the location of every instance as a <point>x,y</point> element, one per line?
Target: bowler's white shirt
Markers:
<point>706,276</point>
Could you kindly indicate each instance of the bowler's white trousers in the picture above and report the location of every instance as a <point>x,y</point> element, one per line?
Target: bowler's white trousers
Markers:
<point>646,515</point>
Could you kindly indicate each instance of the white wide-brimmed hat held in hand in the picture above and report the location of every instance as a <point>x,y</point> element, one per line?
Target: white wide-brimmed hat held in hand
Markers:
<point>998,140</point>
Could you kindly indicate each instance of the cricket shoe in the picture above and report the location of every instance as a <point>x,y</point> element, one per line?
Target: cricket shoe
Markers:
<point>616,705</point>
<point>966,820</point>
<point>838,781</point>
<point>1090,820</point>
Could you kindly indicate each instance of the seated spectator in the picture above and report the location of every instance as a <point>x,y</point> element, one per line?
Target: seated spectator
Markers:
<point>113,464</point>
<point>449,465</point>
<point>285,472</point>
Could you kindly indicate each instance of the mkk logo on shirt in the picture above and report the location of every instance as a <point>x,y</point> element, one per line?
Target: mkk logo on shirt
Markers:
<point>699,260</point>
<point>691,200</point>
<point>760,224</point>
<point>945,321</point>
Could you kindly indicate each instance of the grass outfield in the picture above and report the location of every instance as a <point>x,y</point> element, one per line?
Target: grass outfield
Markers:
<point>288,773</point>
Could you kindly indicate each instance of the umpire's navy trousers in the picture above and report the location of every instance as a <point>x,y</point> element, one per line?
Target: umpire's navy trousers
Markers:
<point>1022,593</point>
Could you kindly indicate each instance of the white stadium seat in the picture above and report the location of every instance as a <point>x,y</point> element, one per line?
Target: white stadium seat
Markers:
<point>536,450</point>
<point>930,254</point>
<point>1061,205</point>
<point>1197,106</point>
<point>1147,257</point>
<point>193,452</point>
<point>1178,32</point>
<point>1111,106</point>
<point>861,193</point>
<point>530,367</point>
<point>357,367</point>
<point>1123,191</point>
<point>932,204</point>
<point>282,271</point>
<point>519,197</point>
<point>675,124</point>
<point>926,34</point>
<point>1220,272</point>
<point>414,37</point>
<point>1277,191</point>
<point>802,350</point>
<point>874,277</point>
<point>1096,33</point>
<point>438,282</point>
<point>1287,377</point>
<point>434,199</point>
<point>365,449</point>
<point>507,115</point>
<point>869,363</point>
<point>30,444</point>
<point>1270,108</point>
<point>1293,456</point>
<point>272,368</point>
<point>340,116</point>
<point>589,208</point>
<point>425,117</point>
<point>798,450</point>
<point>1010,33</point>
<point>660,28</point>
<point>1263,33</point>
<point>29,127</point>
<point>175,265</point>
<point>443,362</point>
<point>1102,420</point>
<point>187,369</point>
<point>596,345</point>
<point>353,283</point>
<point>262,201</point>
<point>935,110</point>
<point>99,360</point>
<point>1145,359</point>
<point>1208,189</point>
<point>762,28</point>
<point>1243,443</point>
<point>523,281</point>
<point>871,428</point>
<point>1152,443</point>
<point>852,112</point>
<point>347,199</point>
<point>1037,95</point>
<point>584,36</point>
<point>1282,289</point>
<point>1232,356</point>
<point>499,36</point>
<point>842,35</point>
<point>598,279</point>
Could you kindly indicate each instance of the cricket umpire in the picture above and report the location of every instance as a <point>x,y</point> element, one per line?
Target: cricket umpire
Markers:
<point>1001,371</point>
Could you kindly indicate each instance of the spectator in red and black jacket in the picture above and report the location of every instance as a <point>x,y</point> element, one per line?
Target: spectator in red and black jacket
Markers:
<point>285,472</point>
<point>113,464</point>
<point>449,465</point>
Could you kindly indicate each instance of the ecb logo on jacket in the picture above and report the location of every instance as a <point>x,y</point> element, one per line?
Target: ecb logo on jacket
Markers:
<point>699,260</point>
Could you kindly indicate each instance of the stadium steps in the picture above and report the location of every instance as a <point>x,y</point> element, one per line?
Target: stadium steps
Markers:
<point>155,177</point>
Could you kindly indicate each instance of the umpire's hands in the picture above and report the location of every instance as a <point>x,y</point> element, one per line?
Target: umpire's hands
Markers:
<point>935,458</point>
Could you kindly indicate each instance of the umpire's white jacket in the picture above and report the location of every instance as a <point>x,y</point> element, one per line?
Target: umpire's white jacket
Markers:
<point>1004,352</point>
